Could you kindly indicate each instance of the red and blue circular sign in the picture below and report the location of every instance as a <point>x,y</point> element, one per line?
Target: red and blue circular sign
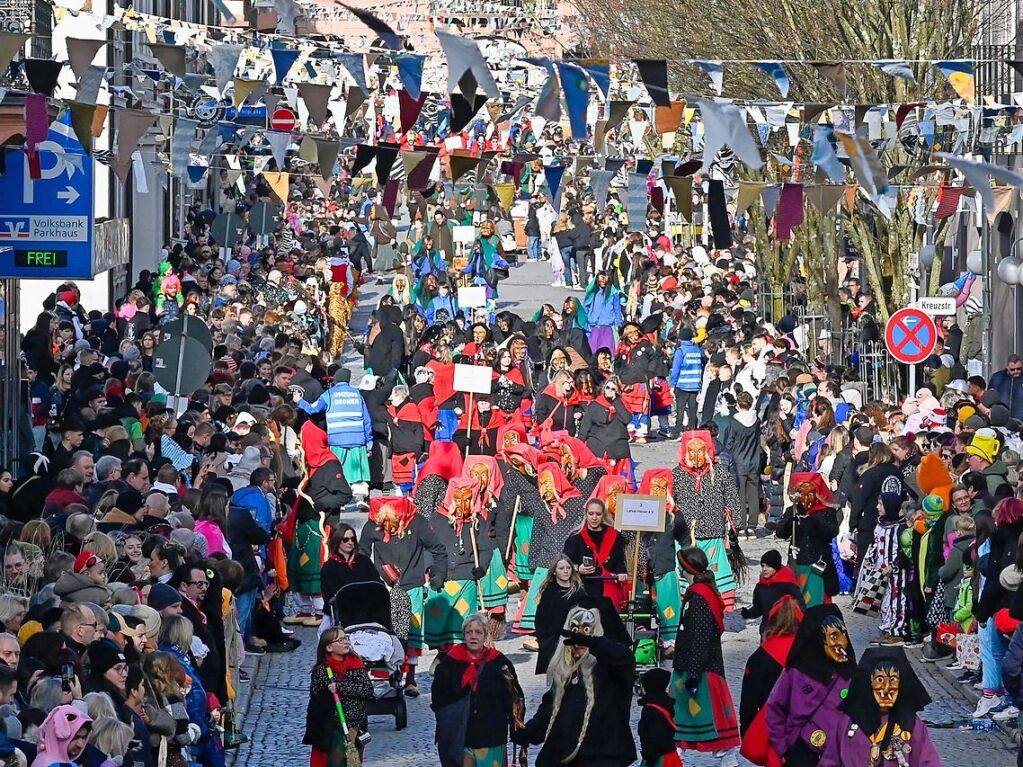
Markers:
<point>910,336</point>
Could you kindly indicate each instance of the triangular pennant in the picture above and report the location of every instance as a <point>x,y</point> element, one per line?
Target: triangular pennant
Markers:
<point>948,201</point>
<point>132,126</point>
<point>89,84</point>
<point>617,112</point>
<point>461,163</point>
<point>717,210</point>
<point>682,188</point>
<point>1004,195</point>
<point>364,155</point>
<point>776,71</point>
<point>171,57</point>
<point>811,112</point>
<point>462,111</point>
<point>42,75</point>
<point>749,193</point>
<point>896,68</point>
<point>284,59</point>
<point>10,44</point>
<point>600,71</point>
<point>769,195</point>
<point>600,183</point>
<point>667,119</point>
<point>613,164</point>
<point>409,109</point>
<point>410,72</point>
<point>326,156</point>
<point>390,196</point>
<point>960,77</point>
<point>410,161</point>
<point>224,60</point>
<point>323,184</point>
<point>505,192</point>
<point>553,174</point>
<point>353,100</point>
<point>654,74</point>
<point>242,89</point>
<point>419,177</point>
<point>181,145</point>
<point>790,211</point>
<point>548,102</point>
<point>463,55</point>
<point>824,197</point>
<point>316,97</point>
<point>386,155</point>
<point>81,120</point>
<point>278,141</point>
<point>383,31</point>
<point>278,183</point>
<point>355,65</point>
<point>576,88</point>
<point>835,72</point>
<point>81,52</point>
<point>715,70</point>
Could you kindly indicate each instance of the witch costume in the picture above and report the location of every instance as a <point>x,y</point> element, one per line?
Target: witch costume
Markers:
<point>494,541</point>
<point>520,493</point>
<point>810,524</point>
<point>443,463</point>
<point>879,725</point>
<point>665,585</point>
<point>704,497</point>
<point>803,709</point>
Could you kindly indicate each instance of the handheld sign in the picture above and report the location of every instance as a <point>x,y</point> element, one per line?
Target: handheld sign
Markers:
<point>640,513</point>
<point>463,235</point>
<point>474,379</point>
<point>470,298</point>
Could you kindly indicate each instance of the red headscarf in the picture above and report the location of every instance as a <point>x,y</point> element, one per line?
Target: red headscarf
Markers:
<point>552,441</point>
<point>444,460</point>
<point>443,380</point>
<point>447,505</point>
<point>650,475</point>
<point>496,482</point>
<point>563,489</point>
<point>402,506</point>
<point>516,427</point>
<point>314,445</point>
<point>608,483</point>
<point>532,456</point>
<point>824,496</point>
<point>683,459</point>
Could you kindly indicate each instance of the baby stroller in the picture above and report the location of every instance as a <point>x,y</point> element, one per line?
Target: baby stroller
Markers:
<point>364,611</point>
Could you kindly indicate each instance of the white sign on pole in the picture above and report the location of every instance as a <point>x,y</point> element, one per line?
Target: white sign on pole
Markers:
<point>463,235</point>
<point>641,513</point>
<point>473,378</point>
<point>936,307</point>
<point>470,298</point>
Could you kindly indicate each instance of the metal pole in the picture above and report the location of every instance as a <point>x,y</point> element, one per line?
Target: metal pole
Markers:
<point>985,261</point>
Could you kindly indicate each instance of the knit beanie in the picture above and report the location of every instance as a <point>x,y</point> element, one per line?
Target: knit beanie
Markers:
<point>771,558</point>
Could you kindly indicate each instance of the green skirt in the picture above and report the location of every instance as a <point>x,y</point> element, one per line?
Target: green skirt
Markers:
<point>811,584</point>
<point>354,463</point>
<point>415,626</point>
<point>724,577</point>
<point>668,602</point>
<point>495,583</point>
<point>528,622</point>
<point>445,610</point>
<point>523,532</point>
<point>706,721</point>
<point>486,757</point>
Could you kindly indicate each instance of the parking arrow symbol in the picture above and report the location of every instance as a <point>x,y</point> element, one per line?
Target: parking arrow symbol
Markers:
<point>69,195</point>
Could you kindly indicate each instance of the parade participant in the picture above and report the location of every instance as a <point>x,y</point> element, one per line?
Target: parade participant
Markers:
<point>880,722</point>
<point>494,584</point>
<point>398,540</point>
<point>509,385</point>
<point>563,512</point>
<point>704,713</point>
<point>804,705</point>
<point>306,555</point>
<point>443,463</point>
<point>810,525</point>
<point>407,436</point>
<point>657,722</point>
<point>326,485</point>
<point>598,550</point>
<point>338,683</point>
<point>704,495</point>
<point>603,303</point>
<point>520,501</point>
<point>660,561</point>
<point>460,525</point>
<point>557,406</point>
<point>762,670</point>
<point>605,429</point>
<point>583,719</point>
<point>582,468</point>
<point>634,360</point>
<point>776,582</point>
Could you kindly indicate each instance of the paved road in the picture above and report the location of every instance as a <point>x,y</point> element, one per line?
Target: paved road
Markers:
<point>276,713</point>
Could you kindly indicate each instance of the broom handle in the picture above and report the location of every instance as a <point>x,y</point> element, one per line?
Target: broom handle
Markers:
<point>511,535</point>
<point>337,703</point>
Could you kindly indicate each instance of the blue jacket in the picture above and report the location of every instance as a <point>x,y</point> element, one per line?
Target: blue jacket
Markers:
<point>448,303</point>
<point>253,499</point>
<point>348,421</point>
<point>1010,392</point>
<point>687,367</point>
<point>195,699</point>
<point>604,310</point>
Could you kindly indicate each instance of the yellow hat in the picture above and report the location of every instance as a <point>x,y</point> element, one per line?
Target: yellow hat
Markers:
<point>965,412</point>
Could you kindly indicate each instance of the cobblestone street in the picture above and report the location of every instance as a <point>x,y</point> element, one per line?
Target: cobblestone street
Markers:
<point>276,714</point>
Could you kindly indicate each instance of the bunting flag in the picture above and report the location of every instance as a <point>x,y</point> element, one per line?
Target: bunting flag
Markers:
<point>10,44</point>
<point>600,183</point>
<point>326,156</point>
<point>715,70</point>
<point>81,121</point>
<point>383,31</point>
<point>353,100</point>
<point>654,74</point>
<point>279,142</point>
<point>171,57</point>
<point>390,197</point>
<point>418,178</point>
<point>600,71</point>
<point>636,202</point>
<point>224,60</point>
<point>617,111</point>
<point>749,193</point>
<point>242,89</point>
<point>410,72</point>
<point>960,77</point>
<point>286,13</point>
<point>548,103</point>
<point>409,109</point>
<point>866,165</point>
<point>461,162</point>
<point>132,126</point>
<point>667,119</point>
<point>614,164</point>
<point>278,183</point>
<point>811,112</point>
<point>824,197</point>
<point>725,124</point>
<point>364,155</point>
<point>37,123</point>
<point>576,88</point>
<point>355,65</point>
<point>387,153</point>
<point>81,52</point>
<point>462,111</point>
<point>316,97</point>
<point>505,192</point>
<point>463,55</point>
<point>89,84</point>
<point>835,72</point>
<point>682,189</point>
<point>824,156</point>
<point>181,145</point>
<point>900,69</point>
<point>790,211</point>
<point>717,209</point>
<point>769,196</point>
<point>948,201</point>
<point>777,72</point>
<point>42,75</point>
<point>976,174</point>
<point>284,59</point>
<point>1004,196</point>
<point>552,175</point>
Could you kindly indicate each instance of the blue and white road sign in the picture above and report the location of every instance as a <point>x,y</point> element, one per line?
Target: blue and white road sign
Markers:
<point>46,225</point>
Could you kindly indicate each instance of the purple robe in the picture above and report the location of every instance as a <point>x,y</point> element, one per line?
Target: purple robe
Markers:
<point>849,745</point>
<point>799,705</point>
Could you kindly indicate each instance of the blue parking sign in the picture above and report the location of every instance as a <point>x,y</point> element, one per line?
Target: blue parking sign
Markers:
<point>46,224</point>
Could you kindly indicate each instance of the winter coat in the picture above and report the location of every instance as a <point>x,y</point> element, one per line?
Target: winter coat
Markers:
<point>490,704</point>
<point>798,705</point>
<point>242,534</point>
<point>335,574</point>
<point>1010,391</point>
<point>762,670</point>
<point>813,535</point>
<point>408,553</point>
<point>385,353</point>
<point>863,515</point>
<point>255,500</point>
<point>348,420</point>
<point>951,572</point>
<point>329,489</point>
<point>687,367</point>
<point>847,744</point>
<point>744,442</point>
<point>994,596</point>
<point>605,430</point>
<point>768,592</point>
<point>321,720</point>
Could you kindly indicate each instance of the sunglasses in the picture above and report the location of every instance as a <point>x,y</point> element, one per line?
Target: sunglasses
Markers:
<point>348,539</point>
